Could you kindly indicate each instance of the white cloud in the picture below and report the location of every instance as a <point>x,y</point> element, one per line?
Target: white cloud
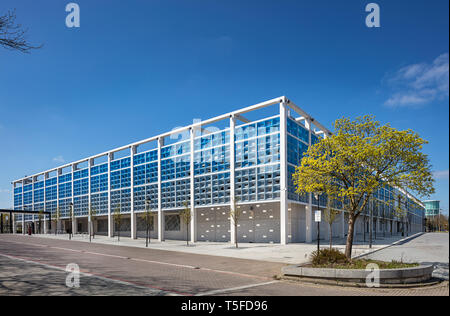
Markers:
<point>443,174</point>
<point>59,159</point>
<point>420,84</point>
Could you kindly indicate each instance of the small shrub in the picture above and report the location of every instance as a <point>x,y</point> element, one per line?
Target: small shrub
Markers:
<point>328,256</point>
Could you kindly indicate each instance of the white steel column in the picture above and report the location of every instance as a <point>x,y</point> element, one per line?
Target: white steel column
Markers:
<point>23,208</point>
<point>57,200</point>
<point>160,211</point>
<point>284,214</point>
<point>90,164</point>
<point>309,207</point>
<point>14,223</point>
<point>74,220</point>
<point>232,176</point>
<point>110,219</point>
<point>192,190</point>
<point>132,214</point>
<point>45,205</point>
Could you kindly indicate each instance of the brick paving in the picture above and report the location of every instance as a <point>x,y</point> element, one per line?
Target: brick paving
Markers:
<point>137,271</point>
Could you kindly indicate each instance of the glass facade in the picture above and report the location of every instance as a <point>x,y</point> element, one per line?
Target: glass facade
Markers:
<point>167,175</point>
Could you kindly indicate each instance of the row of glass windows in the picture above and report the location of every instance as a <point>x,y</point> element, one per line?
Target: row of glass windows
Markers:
<point>121,179</point>
<point>81,174</point>
<point>145,157</point>
<point>38,185</point>
<point>297,130</point>
<point>212,140</point>
<point>99,169</point>
<point>81,206</point>
<point>257,129</point>
<point>51,181</point>
<point>175,168</point>
<point>81,187</point>
<point>99,203</point>
<point>38,195</point>
<point>65,178</point>
<point>295,150</point>
<point>99,183</point>
<point>121,199</point>
<point>146,173</point>
<point>175,193</point>
<point>65,190</point>
<point>144,192</point>
<point>175,149</point>
<point>120,164</point>
<point>51,193</point>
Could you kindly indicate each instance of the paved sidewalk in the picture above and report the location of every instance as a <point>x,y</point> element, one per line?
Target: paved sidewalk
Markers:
<point>37,266</point>
<point>429,248</point>
<point>289,254</point>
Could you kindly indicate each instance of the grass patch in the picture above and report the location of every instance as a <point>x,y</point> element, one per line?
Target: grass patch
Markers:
<point>334,259</point>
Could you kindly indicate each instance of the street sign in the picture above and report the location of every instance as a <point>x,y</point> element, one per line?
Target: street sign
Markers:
<point>318,216</point>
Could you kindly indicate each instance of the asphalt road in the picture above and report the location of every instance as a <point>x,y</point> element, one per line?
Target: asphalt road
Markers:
<point>429,248</point>
<point>36,266</point>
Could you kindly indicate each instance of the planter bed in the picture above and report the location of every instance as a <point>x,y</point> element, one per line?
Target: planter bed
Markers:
<point>411,275</point>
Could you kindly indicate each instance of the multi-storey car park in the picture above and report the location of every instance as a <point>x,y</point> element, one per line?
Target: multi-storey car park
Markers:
<point>208,165</point>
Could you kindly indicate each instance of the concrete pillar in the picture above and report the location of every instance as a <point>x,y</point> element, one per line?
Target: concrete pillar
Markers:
<point>161,224</point>
<point>23,224</point>
<point>90,164</point>
<point>284,214</point>
<point>342,225</point>
<point>309,207</point>
<point>74,226</point>
<point>45,224</point>
<point>110,215</point>
<point>132,214</point>
<point>309,221</point>
<point>14,223</point>
<point>232,176</point>
<point>192,189</point>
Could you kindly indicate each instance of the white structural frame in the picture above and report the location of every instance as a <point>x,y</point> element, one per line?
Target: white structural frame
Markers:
<point>286,107</point>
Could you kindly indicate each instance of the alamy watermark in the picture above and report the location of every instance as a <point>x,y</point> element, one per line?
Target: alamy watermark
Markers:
<point>73,277</point>
<point>73,18</point>
<point>373,18</point>
<point>373,278</point>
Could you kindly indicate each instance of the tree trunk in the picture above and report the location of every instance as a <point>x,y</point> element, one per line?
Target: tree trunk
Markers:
<point>236,235</point>
<point>349,243</point>
<point>187,234</point>
<point>331,236</point>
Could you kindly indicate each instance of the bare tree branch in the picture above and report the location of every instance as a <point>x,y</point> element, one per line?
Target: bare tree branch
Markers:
<point>12,35</point>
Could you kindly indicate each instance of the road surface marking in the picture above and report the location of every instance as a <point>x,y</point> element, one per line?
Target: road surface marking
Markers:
<point>101,277</point>
<point>147,261</point>
<point>243,287</point>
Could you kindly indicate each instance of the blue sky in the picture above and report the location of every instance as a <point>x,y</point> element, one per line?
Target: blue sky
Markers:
<point>138,68</point>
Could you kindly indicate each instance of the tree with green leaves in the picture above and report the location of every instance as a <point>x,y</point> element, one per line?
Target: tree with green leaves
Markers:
<point>148,220</point>
<point>330,215</point>
<point>118,220</point>
<point>92,216</point>
<point>235,216</point>
<point>358,159</point>
<point>186,217</point>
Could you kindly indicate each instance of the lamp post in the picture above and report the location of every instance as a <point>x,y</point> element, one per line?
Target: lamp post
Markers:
<point>317,195</point>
